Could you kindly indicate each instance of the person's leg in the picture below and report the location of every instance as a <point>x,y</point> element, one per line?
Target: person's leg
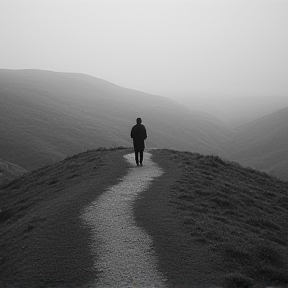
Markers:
<point>136,157</point>
<point>141,157</point>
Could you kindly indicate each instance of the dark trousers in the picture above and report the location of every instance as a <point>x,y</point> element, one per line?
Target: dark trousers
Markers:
<point>137,156</point>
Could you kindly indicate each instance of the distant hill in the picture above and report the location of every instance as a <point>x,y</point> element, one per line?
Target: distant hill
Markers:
<point>46,116</point>
<point>263,144</point>
<point>232,110</point>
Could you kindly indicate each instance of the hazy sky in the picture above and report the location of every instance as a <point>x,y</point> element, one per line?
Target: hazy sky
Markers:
<point>209,46</point>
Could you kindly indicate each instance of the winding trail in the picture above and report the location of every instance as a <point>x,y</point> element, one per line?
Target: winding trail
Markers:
<point>123,251</point>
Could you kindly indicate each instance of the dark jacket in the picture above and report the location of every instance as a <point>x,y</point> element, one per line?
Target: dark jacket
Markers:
<point>139,134</point>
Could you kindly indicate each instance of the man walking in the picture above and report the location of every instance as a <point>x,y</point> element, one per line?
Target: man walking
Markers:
<point>138,133</point>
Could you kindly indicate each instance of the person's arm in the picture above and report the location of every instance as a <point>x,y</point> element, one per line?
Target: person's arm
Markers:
<point>145,133</point>
<point>132,132</point>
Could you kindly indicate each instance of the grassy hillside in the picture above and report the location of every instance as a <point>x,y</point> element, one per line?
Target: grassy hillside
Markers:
<point>46,116</point>
<point>42,240</point>
<point>263,144</point>
<point>213,222</point>
<point>225,222</point>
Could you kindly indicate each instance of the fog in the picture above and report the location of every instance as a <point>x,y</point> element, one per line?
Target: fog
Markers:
<point>205,49</point>
<point>232,111</point>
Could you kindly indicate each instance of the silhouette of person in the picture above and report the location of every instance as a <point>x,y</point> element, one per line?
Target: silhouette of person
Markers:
<point>139,134</point>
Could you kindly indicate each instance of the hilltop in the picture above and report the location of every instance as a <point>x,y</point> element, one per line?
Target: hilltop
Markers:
<point>210,220</point>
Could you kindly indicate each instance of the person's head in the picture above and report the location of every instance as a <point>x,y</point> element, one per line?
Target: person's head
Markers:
<point>138,120</point>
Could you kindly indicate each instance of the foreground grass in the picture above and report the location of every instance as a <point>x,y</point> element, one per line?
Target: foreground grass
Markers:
<point>213,223</point>
<point>240,215</point>
<point>42,240</point>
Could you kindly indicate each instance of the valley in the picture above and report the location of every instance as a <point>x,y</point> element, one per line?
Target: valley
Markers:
<point>46,116</point>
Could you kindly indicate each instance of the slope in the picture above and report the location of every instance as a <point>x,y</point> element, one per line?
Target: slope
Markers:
<point>211,221</point>
<point>46,116</point>
<point>216,223</point>
<point>263,144</point>
<point>43,242</point>
<point>9,171</point>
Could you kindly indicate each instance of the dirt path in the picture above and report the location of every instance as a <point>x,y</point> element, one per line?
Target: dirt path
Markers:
<point>123,251</point>
<point>184,262</point>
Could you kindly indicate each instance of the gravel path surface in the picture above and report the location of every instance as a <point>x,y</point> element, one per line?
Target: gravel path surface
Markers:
<point>122,250</point>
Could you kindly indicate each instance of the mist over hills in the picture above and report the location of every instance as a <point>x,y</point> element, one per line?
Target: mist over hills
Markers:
<point>258,127</point>
<point>46,116</point>
<point>263,144</point>
<point>232,110</point>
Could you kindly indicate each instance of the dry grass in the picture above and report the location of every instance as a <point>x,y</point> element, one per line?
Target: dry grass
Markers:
<point>42,240</point>
<point>213,222</point>
<point>240,215</point>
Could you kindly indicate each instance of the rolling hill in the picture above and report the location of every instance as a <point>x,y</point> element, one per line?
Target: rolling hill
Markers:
<point>233,110</point>
<point>263,144</point>
<point>46,116</point>
<point>213,222</point>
